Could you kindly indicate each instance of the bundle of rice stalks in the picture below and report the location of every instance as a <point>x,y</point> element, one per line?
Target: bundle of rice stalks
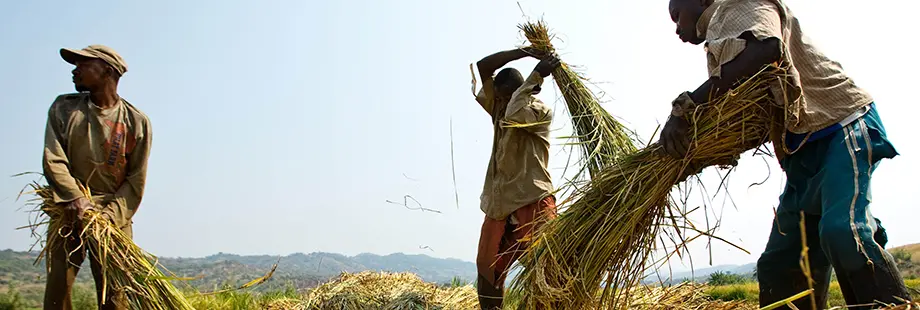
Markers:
<point>390,291</point>
<point>129,273</point>
<point>602,243</point>
<point>601,137</point>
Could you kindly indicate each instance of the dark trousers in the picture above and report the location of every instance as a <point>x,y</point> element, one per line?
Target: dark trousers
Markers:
<point>828,181</point>
<point>64,263</point>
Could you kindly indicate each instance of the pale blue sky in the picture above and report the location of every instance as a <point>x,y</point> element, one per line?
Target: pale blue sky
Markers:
<point>284,126</point>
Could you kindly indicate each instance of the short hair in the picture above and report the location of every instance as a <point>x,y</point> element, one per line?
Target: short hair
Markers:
<point>509,75</point>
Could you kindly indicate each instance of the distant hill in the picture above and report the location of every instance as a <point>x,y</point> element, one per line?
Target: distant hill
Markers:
<point>908,259</point>
<point>698,275</point>
<point>297,271</point>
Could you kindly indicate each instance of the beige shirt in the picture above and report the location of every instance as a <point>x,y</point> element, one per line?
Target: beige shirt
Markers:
<point>822,94</point>
<point>517,174</point>
<point>106,150</point>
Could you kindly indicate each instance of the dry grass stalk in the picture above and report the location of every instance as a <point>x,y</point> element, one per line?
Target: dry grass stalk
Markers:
<point>130,273</point>
<point>602,243</point>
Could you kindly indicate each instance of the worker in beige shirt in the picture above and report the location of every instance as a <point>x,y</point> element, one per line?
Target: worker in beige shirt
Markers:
<point>831,142</point>
<point>97,139</point>
<point>518,194</point>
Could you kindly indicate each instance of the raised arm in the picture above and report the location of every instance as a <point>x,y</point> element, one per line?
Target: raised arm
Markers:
<point>489,64</point>
<point>520,111</point>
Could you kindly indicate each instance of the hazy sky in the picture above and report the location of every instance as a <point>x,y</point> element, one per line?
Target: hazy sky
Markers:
<point>285,126</point>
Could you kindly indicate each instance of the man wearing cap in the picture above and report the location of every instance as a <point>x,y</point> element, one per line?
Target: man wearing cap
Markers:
<point>97,139</point>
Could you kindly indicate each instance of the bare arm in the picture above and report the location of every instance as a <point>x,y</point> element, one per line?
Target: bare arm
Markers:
<point>755,56</point>
<point>489,64</point>
<point>487,67</point>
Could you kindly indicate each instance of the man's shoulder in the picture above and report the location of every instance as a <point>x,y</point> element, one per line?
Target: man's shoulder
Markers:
<point>66,103</point>
<point>69,99</point>
<point>136,112</point>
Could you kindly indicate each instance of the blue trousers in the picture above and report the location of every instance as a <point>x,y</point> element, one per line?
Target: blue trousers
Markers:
<point>828,182</point>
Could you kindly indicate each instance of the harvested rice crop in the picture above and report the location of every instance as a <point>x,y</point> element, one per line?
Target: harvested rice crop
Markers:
<point>601,137</point>
<point>130,273</point>
<point>390,291</point>
<point>601,244</point>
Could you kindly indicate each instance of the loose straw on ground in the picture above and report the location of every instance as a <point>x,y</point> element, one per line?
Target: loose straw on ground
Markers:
<point>600,246</point>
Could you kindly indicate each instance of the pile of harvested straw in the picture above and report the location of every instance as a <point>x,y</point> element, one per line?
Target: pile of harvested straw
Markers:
<point>684,296</point>
<point>130,274</point>
<point>391,291</point>
<point>601,244</point>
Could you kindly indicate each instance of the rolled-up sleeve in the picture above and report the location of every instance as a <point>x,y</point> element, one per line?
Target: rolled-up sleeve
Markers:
<point>762,18</point>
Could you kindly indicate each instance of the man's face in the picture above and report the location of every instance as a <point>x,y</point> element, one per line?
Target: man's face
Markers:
<point>686,14</point>
<point>89,74</point>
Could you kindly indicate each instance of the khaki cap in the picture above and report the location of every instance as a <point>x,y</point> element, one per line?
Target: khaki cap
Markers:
<point>96,51</point>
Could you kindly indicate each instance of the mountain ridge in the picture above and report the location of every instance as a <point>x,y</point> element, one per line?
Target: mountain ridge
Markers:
<point>296,270</point>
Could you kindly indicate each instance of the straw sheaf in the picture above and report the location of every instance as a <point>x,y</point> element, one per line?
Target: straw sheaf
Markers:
<point>600,137</point>
<point>129,273</point>
<point>601,244</point>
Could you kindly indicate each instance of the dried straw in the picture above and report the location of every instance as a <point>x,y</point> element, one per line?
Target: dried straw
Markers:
<point>130,273</point>
<point>371,290</point>
<point>390,291</point>
<point>601,137</point>
<point>601,245</point>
